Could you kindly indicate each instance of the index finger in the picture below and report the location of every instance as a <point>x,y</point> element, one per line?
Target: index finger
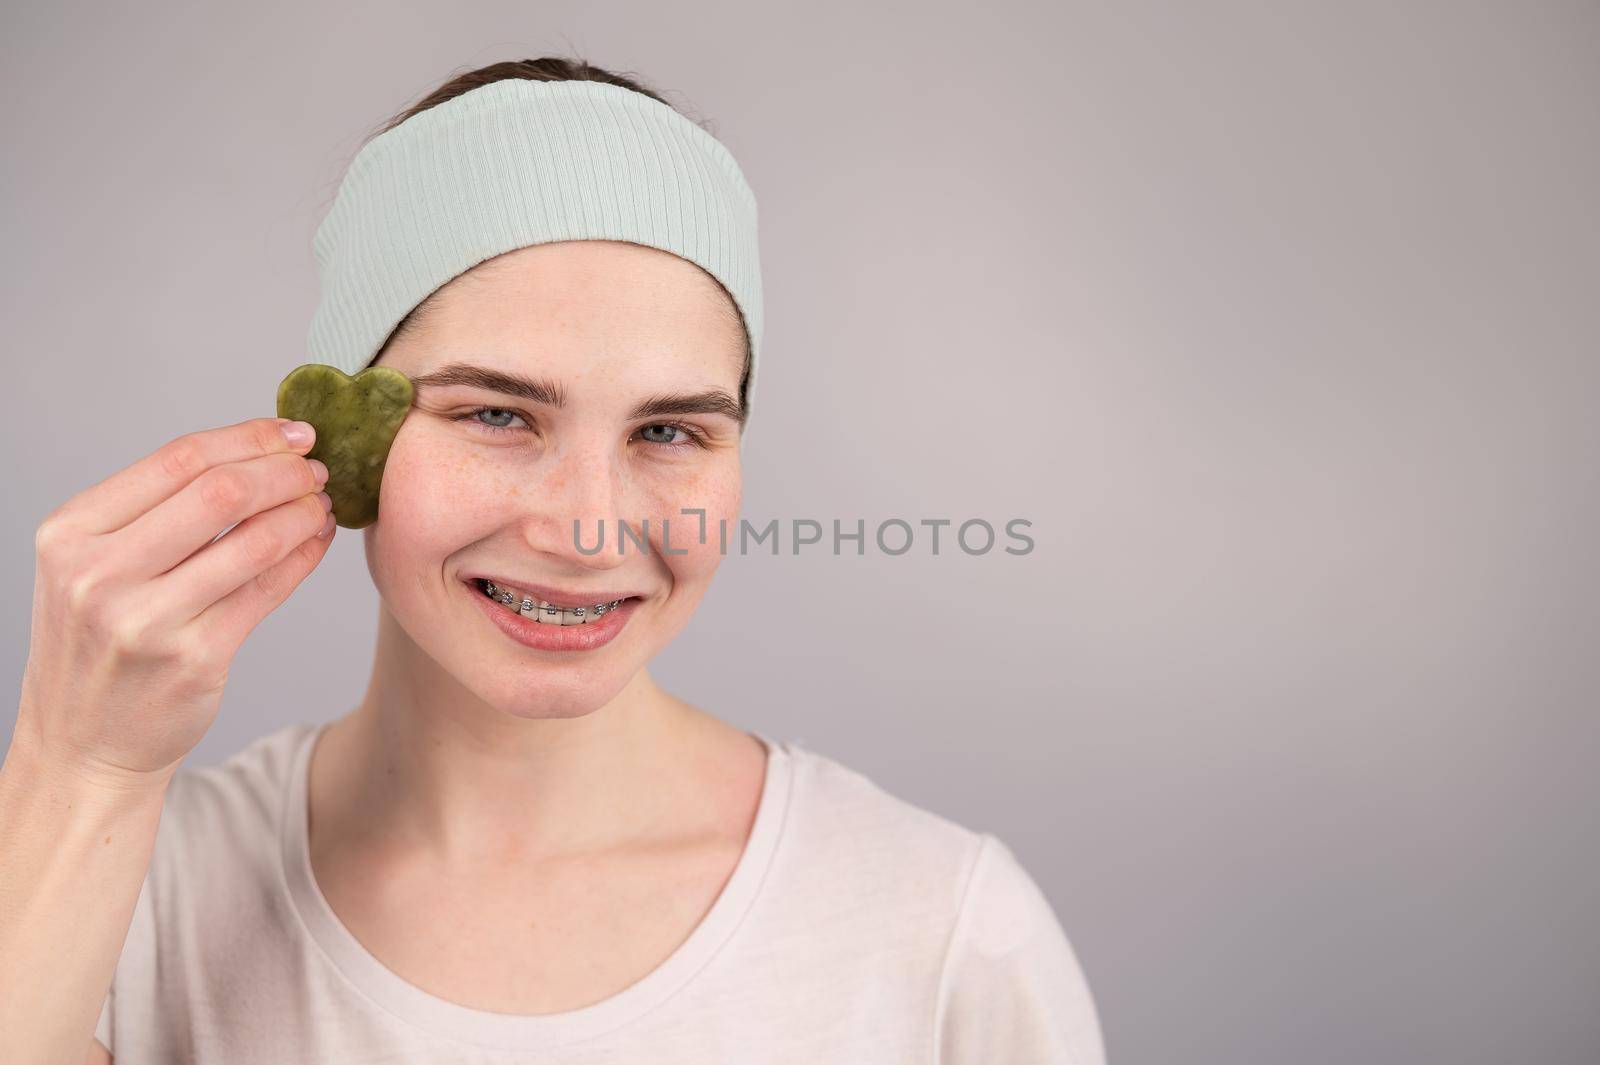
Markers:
<point>134,490</point>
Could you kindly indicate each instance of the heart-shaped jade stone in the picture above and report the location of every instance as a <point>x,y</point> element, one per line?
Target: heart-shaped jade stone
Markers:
<point>356,419</point>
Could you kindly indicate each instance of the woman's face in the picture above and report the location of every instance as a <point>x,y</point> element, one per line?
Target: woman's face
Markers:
<point>479,481</point>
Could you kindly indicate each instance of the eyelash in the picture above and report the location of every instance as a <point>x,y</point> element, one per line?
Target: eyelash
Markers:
<point>695,434</point>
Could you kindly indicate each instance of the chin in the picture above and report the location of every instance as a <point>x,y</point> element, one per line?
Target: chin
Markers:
<point>544,697</point>
<point>547,712</point>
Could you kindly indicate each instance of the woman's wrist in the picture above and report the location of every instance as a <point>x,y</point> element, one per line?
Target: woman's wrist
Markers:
<point>31,778</point>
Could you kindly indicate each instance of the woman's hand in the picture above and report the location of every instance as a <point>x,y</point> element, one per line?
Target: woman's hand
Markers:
<point>139,607</point>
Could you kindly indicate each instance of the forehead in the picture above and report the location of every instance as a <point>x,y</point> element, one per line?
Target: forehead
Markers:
<point>584,299</point>
<point>590,275</point>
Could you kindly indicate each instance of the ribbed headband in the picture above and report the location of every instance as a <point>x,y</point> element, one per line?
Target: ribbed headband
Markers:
<point>516,163</point>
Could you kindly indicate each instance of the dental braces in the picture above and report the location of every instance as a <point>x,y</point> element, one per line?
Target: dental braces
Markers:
<point>528,604</point>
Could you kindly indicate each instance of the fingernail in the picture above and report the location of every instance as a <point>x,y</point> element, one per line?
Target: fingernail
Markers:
<point>319,470</point>
<point>327,528</point>
<point>326,500</point>
<point>299,434</point>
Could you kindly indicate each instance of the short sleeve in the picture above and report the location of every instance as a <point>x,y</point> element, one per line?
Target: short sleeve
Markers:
<point>1012,989</point>
<point>102,1029</point>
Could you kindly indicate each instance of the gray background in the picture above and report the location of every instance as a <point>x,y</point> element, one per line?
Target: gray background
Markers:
<point>1277,320</point>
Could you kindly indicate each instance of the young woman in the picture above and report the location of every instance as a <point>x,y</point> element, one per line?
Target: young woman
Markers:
<point>517,847</point>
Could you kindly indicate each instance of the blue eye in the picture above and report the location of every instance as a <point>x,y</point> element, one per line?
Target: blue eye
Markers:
<point>687,435</point>
<point>690,435</point>
<point>473,414</point>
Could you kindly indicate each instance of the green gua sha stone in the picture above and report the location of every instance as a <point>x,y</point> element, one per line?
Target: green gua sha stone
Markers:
<point>356,419</point>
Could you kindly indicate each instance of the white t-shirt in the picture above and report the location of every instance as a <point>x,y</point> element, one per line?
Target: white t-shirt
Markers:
<point>856,927</point>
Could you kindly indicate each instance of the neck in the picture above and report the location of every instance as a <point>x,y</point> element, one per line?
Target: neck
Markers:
<point>424,766</point>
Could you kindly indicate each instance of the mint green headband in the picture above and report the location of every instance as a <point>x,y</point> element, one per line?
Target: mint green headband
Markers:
<point>516,163</point>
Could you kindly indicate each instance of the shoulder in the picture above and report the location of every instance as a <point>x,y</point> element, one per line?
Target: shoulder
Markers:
<point>249,784</point>
<point>1012,987</point>
<point>229,813</point>
<point>855,818</point>
<point>948,900</point>
<point>852,816</point>
<point>863,854</point>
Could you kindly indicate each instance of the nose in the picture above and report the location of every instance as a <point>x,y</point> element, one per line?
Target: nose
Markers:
<point>569,499</point>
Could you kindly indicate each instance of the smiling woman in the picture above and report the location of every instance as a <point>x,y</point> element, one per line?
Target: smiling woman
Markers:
<point>518,842</point>
<point>589,339</point>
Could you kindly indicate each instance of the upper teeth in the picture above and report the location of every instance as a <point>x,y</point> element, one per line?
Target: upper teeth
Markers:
<point>542,610</point>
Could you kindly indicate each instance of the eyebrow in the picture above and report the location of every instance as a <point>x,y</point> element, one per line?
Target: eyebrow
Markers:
<point>549,393</point>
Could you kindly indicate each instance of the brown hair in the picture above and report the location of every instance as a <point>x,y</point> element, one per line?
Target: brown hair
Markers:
<point>546,68</point>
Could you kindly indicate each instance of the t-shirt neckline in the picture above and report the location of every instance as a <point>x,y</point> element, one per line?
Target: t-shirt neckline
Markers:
<point>441,1017</point>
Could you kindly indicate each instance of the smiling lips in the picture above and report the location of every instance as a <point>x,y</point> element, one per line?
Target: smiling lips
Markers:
<point>546,596</point>
<point>561,630</point>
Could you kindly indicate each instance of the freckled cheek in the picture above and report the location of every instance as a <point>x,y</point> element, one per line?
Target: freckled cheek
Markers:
<point>714,490</point>
<point>427,486</point>
<point>434,492</point>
